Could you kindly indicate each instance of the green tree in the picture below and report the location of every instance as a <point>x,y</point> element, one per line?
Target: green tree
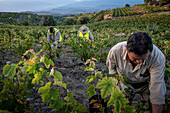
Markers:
<point>83,19</point>
<point>127,5</point>
<point>25,23</point>
<point>70,21</point>
<point>48,20</point>
<point>163,2</point>
<point>147,1</point>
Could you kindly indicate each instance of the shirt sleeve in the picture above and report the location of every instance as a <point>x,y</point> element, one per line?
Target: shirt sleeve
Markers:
<point>48,37</point>
<point>91,36</point>
<point>110,62</point>
<point>157,84</point>
<point>78,33</point>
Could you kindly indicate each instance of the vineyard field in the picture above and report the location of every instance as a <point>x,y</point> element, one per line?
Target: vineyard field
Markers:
<point>32,82</point>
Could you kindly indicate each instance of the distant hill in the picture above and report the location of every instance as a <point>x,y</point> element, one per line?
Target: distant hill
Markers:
<point>93,5</point>
<point>38,18</point>
<point>12,18</point>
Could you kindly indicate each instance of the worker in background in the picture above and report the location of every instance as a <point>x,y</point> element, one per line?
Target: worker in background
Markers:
<point>85,33</point>
<point>54,38</point>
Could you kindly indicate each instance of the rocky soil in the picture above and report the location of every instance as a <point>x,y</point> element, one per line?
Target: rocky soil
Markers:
<point>73,75</point>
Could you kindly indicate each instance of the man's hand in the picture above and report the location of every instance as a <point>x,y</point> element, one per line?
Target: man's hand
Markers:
<point>157,108</point>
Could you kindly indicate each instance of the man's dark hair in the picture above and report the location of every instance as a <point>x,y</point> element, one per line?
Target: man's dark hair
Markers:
<point>139,43</point>
<point>51,29</point>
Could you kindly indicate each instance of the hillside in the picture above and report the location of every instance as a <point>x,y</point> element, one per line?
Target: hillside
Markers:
<point>20,18</point>
<point>139,9</point>
<point>29,19</point>
<point>84,6</point>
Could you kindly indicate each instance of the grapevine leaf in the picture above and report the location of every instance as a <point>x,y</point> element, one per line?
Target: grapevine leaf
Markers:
<point>9,69</point>
<point>57,75</point>
<point>64,85</point>
<point>56,104</point>
<point>54,93</point>
<point>26,52</point>
<point>99,74</point>
<point>107,86</point>
<point>129,109</point>
<point>42,58</point>
<point>91,90</point>
<point>92,64</point>
<point>29,62</point>
<point>47,61</point>
<point>117,106</point>
<point>37,78</point>
<point>31,69</point>
<point>45,92</point>
<point>111,101</point>
<point>89,69</point>
<point>45,88</point>
<point>90,79</point>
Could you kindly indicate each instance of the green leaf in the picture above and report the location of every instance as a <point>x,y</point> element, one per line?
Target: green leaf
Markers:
<point>29,62</point>
<point>92,64</point>
<point>123,101</point>
<point>51,62</point>
<point>64,85</point>
<point>45,89</point>
<point>90,79</point>
<point>111,101</point>
<point>107,86</point>
<point>99,74</point>
<point>91,90</point>
<point>56,104</point>
<point>9,69</point>
<point>46,61</point>
<point>57,75</point>
<point>37,78</point>
<point>26,52</point>
<point>45,92</point>
<point>21,62</point>
<point>117,106</point>
<point>89,69</point>
<point>129,109</point>
<point>31,69</point>
<point>42,58</point>
<point>4,111</point>
<point>54,93</point>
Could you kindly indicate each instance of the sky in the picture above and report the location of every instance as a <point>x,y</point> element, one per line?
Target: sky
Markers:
<point>32,5</point>
<point>36,5</point>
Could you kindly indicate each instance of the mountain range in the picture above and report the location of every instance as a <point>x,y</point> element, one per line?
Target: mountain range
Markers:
<point>91,6</point>
<point>63,7</point>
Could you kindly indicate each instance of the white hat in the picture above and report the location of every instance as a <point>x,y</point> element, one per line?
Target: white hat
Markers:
<point>84,29</point>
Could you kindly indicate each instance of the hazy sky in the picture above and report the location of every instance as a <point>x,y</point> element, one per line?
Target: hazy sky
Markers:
<point>32,5</point>
<point>45,5</point>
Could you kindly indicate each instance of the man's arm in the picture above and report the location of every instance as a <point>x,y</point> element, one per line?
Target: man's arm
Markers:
<point>48,37</point>
<point>91,37</point>
<point>78,33</point>
<point>110,62</point>
<point>157,84</point>
<point>157,108</point>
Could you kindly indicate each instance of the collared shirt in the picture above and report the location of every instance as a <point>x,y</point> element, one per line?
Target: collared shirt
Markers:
<point>153,67</point>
